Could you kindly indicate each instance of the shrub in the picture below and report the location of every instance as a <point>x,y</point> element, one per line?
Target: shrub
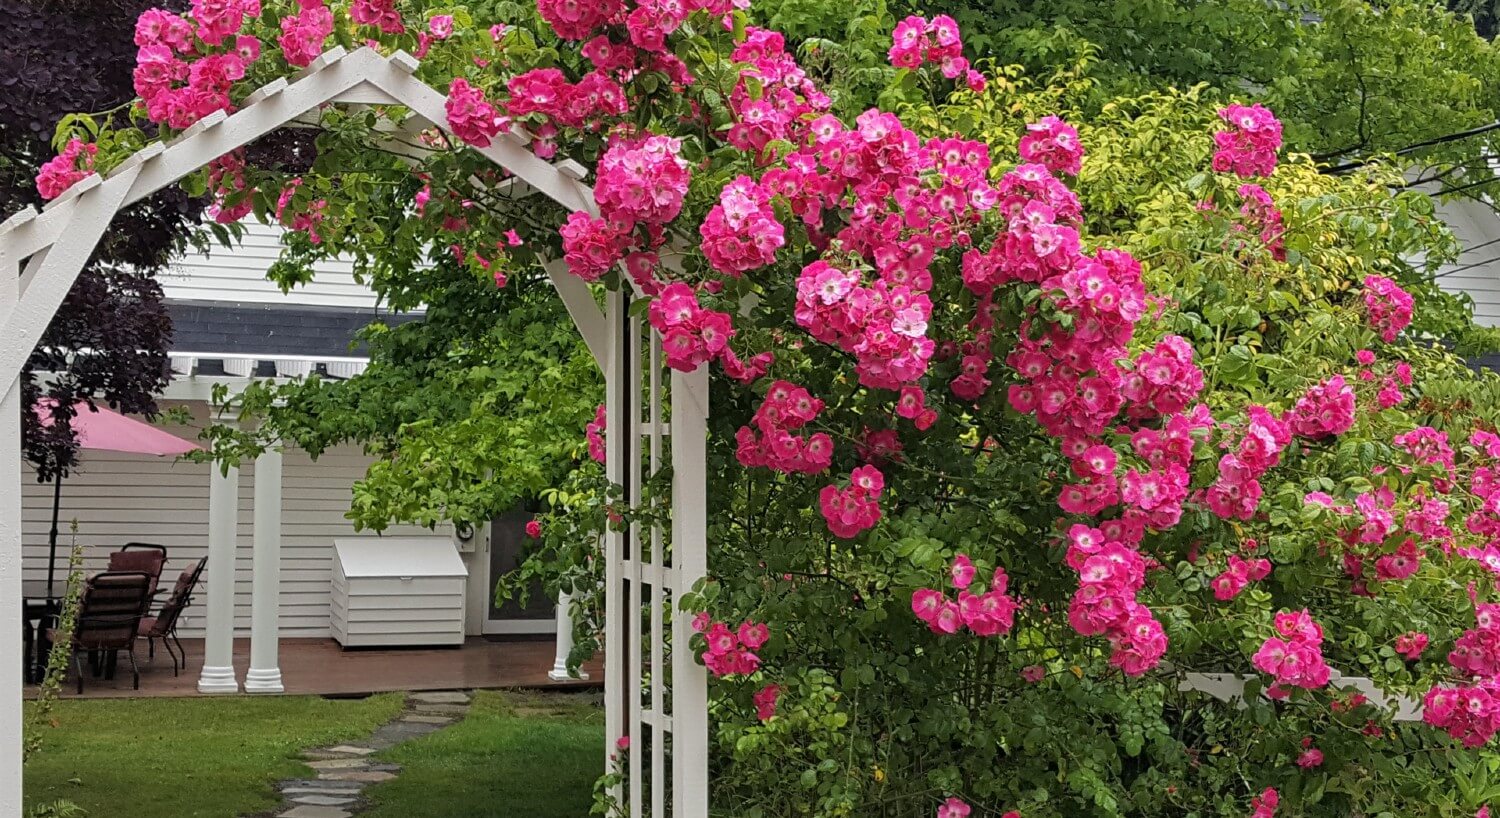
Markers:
<point>998,455</point>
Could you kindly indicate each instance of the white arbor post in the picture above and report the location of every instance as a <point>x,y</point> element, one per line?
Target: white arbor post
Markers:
<point>618,382</point>
<point>689,564</point>
<point>10,595</point>
<point>264,675</point>
<point>559,671</point>
<point>218,674</point>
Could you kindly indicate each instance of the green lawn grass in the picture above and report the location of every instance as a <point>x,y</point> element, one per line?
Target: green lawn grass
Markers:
<point>516,755</point>
<point>188,758</point>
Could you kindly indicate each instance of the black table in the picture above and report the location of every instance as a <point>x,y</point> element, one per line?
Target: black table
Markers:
<point>39,611</point>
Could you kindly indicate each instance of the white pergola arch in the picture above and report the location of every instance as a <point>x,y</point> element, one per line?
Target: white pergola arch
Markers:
<point>655,695</point>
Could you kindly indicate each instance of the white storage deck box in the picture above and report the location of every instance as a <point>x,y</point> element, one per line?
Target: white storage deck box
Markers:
<point>394,591</point>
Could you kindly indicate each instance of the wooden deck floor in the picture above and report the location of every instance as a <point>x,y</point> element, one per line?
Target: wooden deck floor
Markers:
<point>321,667</point>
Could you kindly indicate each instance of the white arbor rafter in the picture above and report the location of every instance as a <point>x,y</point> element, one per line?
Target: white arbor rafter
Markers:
<point>656,691</point>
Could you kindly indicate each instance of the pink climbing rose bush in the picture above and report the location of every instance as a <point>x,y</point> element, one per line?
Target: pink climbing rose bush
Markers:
<point>1005,441</point>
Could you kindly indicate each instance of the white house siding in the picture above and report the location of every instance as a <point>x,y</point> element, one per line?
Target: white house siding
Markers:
<point>119,498</point>
<point>238,274</point>
<point>1477,271</point>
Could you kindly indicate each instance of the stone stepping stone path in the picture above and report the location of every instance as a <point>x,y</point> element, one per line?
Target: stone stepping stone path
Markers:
<point>345,770</point>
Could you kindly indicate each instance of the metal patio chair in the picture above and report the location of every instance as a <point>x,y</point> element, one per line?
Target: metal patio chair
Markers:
<point>163,625</point>
<point>109,618</point>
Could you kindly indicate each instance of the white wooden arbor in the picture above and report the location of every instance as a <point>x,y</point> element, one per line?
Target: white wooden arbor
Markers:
<point>655,695</point>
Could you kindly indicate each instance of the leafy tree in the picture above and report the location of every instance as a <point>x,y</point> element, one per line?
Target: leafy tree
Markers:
<point>109,339</point>
<point>108,342</point>
<point>1348,78</point>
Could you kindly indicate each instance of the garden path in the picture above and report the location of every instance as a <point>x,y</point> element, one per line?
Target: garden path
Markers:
<point>345,770</point>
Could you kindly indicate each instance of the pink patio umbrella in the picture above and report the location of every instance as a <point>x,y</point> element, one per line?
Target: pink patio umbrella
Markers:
<point>102,429</point>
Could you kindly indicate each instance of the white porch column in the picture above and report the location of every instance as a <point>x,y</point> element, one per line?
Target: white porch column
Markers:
<point>559,671</point>
<point>10,599</point>
<point>223,539</point>
<point>264,675</point>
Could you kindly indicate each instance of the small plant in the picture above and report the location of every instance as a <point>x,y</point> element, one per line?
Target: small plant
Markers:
<point>55,809</point>
<point>57,658</point>
<point>52,682</point>
<point>608,787</point>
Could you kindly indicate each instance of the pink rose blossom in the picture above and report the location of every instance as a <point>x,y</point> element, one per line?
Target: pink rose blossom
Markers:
<point>953,808</point>
<point>641,180</point>
<point>1249,147</point>
<point>1054,144</point>
<point>66,169</point>
<point>303,33</point>
<point>962,572</point>
<point>379,13</point>
<point>1264,805</point>
<point>594,432</point>
<point>1411,645</point>
<point>1389,306</point>
<point>472,117</point>
<point>765,702</point>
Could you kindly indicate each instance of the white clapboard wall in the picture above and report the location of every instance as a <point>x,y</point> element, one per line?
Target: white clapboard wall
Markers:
<point>238,274</point>
<point>1477,270</point>
<point>119,498</point>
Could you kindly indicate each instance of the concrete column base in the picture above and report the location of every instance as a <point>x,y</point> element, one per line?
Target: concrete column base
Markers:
<point>263,681</point>
<point>559,673</point>
<point>218,680</point>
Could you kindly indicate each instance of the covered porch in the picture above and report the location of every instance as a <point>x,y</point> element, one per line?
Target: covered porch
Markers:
<point>320,667</point>
<point>262,612</point>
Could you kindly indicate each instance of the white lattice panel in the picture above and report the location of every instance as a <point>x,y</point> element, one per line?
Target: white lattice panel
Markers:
<point>656,691</point>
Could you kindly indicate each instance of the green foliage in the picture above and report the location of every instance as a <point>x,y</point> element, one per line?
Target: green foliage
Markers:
<point>566,557</point>
<point>40,714</point>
